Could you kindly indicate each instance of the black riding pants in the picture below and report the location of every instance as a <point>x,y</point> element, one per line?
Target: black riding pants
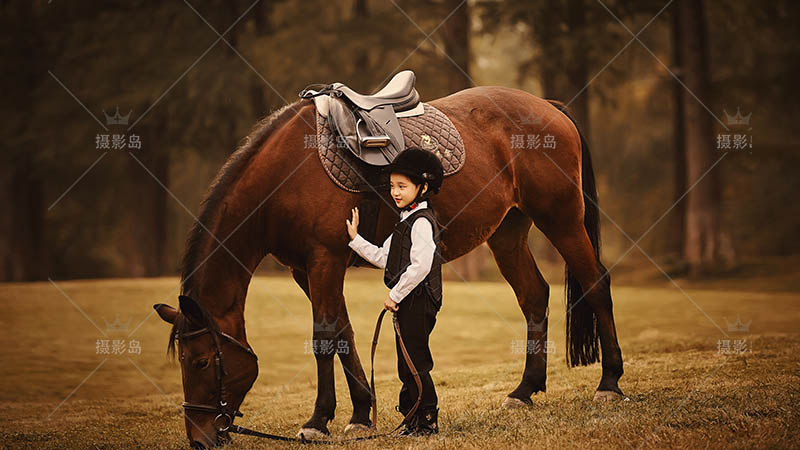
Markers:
<point>416,317</point>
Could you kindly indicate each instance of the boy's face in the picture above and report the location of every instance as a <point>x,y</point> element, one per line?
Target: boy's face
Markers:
<point>404,191</point>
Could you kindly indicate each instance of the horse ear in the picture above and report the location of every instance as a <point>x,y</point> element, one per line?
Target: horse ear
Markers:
<point>166,312</point>
<point>191,309</point>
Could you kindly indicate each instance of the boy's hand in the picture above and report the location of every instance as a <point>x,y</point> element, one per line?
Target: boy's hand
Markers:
<point>390,305</point>
<point>352,224</point>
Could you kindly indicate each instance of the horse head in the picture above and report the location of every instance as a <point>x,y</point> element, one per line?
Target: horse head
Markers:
<point>217,371</point>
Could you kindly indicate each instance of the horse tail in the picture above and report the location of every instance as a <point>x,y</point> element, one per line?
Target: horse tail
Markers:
<point>582,336</point>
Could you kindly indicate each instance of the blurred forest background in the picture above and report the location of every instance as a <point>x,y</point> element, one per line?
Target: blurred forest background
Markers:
<point>655,110</point>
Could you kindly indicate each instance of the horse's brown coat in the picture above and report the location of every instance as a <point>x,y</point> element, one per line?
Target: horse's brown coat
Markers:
<point>283,203</point>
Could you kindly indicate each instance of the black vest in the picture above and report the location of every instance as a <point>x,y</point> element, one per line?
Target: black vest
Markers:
<point>399,257</point>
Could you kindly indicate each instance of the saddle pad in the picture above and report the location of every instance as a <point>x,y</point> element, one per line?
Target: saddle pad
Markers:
<point>431,131</point>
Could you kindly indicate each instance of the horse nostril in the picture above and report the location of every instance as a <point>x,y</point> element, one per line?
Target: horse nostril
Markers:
<point>198,445</point>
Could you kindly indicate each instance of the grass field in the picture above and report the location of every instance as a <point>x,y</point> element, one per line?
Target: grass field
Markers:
<point>686,388</point>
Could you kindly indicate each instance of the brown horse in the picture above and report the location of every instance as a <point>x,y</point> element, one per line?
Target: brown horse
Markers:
<point>274,197</point>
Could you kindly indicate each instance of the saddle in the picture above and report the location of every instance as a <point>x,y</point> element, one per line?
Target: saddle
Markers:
<point>368,125</point>
<point>356,134</point>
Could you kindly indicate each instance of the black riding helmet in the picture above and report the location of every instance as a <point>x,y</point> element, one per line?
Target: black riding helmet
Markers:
<point>421,166</point>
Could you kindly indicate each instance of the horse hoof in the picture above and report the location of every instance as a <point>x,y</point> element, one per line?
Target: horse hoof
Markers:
<point>514,403</point>
<point>607,396</point>
<point>309,434</point>
<point>355,428</point>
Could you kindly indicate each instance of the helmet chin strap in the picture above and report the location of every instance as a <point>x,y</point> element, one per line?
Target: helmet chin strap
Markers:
<point>416,200</point>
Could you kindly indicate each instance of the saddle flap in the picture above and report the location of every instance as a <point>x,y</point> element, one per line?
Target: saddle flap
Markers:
<point>343,124</point>
<point>321,103</point>
<point>382,120</point>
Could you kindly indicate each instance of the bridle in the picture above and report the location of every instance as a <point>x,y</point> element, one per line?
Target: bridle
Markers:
<point>225,414</point>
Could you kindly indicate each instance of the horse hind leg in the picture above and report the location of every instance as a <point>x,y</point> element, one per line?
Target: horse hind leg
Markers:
<point>590,306</point>
<point>509,245</point>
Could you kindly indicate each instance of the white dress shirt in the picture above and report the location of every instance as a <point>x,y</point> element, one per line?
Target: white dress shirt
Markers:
<point>422,251</point>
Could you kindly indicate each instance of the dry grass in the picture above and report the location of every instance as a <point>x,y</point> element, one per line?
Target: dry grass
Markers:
<point>683,393</point>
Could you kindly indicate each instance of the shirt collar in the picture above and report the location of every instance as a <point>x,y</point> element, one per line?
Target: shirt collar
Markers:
<point>421,205</point>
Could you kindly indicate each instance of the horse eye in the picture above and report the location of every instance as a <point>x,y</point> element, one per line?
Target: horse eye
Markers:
<point>200,363</point>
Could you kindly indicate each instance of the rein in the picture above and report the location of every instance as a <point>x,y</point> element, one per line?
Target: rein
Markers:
<point>225,415</point>
<point>410,364</point>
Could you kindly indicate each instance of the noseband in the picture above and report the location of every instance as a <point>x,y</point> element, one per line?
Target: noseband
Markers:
<point>224,413</point>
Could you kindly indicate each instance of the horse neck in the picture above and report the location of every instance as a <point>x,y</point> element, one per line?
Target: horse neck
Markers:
<point>248,221</point>
<point>220,284</point>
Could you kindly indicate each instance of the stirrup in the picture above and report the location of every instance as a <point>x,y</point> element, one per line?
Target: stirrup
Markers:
<point>371,141</point>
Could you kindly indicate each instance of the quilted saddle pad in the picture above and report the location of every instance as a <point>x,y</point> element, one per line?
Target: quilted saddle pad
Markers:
<point>431,131</point>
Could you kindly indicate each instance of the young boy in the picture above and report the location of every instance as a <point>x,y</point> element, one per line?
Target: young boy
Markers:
<point>413,273</point>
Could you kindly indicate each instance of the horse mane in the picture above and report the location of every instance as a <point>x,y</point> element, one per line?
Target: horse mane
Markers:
<point>219,188</point>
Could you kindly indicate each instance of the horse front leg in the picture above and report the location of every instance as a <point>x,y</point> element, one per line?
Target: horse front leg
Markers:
<point>354,373</point>
<point>356,379</point>
<point>325,285</point>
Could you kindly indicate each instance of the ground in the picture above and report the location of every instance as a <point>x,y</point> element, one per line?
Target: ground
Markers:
<point>693,378</point>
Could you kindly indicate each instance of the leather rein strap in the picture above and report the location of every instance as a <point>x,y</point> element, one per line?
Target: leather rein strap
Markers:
<point>248,432</point>
<point>410,364</point>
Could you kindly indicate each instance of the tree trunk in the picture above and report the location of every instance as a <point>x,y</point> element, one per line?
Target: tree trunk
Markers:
<point>22,247</point>
<point>702,245</point>
<point>160,215</point>
<point>361,15</point>
<point>578,67</point>
<point>23,226</point>
<point>455,32</point>
<point>145,221</point>
<point>678,223</point>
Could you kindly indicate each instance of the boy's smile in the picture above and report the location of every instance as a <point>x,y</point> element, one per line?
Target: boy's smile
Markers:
<point>404,191</point>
